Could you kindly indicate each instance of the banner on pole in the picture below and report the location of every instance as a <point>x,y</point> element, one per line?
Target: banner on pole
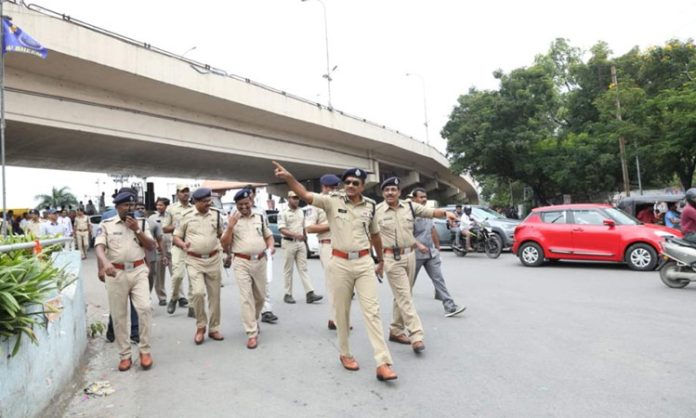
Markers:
<point>16,40</point>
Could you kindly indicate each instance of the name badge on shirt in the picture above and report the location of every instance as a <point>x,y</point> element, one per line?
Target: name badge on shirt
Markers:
<point>342,211</point>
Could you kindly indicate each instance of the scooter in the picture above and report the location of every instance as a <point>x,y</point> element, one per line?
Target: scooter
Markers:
<point>679,268</point>
<point>482,239</point>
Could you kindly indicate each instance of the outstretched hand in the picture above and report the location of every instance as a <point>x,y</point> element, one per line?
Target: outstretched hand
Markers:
<point>281,172</point>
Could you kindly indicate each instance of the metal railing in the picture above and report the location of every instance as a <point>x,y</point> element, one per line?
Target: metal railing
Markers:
<point>31,244</point>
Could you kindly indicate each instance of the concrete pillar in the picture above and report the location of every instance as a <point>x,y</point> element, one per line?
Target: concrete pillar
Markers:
<point>431,185</point>
<point>411,178</point>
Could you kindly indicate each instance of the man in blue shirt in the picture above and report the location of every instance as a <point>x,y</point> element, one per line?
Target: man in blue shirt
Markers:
<point>672,216</point>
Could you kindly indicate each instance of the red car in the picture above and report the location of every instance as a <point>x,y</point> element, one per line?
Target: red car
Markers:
<point>588,232</point>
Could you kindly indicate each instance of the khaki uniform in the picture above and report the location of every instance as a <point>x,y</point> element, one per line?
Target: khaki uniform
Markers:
<point>396,230</point>
<point>82,234</point>
<point>34,228</point>
<point>122,247</point>
<point>176,212</point>
<point>350,225</point>
<point>295,251</point>
<point>249,241</point>
<point>317,216</point>
<point>165,251</point>
<point>203,261</point>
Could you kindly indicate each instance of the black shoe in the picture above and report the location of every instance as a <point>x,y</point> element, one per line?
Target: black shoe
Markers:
<point>312,297</point>
<point>454,310</point>
<point>272,316</point>
<point>183,302</point>
<point>110,335</point>
<point>162,302</point>
<point>191,313</point>
<point>288,299</point>
<point>135,339</point>
<point>268,317</point>
<point>171,307</point>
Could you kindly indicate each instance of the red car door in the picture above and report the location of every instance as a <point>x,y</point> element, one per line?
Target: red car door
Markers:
<point>556,232</point>
<point>592,239</point>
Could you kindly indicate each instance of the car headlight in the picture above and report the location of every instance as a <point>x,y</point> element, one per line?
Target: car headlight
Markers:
<point>663,234</point>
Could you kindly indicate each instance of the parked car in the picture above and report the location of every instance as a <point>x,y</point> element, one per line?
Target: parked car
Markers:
<point>595,232</point>
<point>501,226</point>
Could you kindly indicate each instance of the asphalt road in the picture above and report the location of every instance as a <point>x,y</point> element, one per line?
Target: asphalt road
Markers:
<point>563,340</point>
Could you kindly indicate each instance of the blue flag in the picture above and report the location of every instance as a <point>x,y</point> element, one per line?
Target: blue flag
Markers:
<point>14,39</point>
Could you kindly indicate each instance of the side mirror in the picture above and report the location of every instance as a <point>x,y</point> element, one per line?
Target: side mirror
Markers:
<point>609,222</point>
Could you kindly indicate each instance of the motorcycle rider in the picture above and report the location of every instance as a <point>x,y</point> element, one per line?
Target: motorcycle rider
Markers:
<point>688,216</point>
<point>465,224</point>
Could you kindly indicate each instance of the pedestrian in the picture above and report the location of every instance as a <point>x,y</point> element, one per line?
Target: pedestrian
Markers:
<point>24,221</point>
<point>120,248</point>
<point>291,227</point>
<point>83,230</point>
<point>160,217</point>
<point>317,223</point>
<point>354,230</point>
<point>151,256</point>
<point>169,224</point>
<point>198,236</point>
<point>396,220</point>
<point>52,227</point>
<point>428,256</point>
<point>65,220</point>
<point>252,242</point>
<point>34,225</point>
<point>90,209</point>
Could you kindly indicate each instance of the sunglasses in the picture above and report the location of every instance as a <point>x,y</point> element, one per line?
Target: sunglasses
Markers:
<point>354,183</point>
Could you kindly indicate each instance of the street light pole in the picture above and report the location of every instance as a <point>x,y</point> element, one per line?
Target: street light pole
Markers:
<point>327,76</point>
<point>425,105</point>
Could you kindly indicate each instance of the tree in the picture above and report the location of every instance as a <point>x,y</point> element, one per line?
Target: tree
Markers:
<point>58,198</point>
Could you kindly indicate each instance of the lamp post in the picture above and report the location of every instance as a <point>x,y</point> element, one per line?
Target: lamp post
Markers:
<point>329,70</point>
<point>188,50</point>
<point>425,105</point>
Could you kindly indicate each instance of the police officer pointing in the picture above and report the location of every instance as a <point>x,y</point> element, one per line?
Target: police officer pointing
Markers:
<point>353,230</point>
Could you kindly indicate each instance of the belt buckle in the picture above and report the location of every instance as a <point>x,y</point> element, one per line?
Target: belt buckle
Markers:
<point>254,257</point>
<point>353,255</point>
<point>205,256</point>
<point>128,266</point>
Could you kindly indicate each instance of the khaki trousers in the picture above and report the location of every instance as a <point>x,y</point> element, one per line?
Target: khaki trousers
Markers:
<point>205,275</point>
<point>324,256</point>
<point>251,280</point>
<point>82,242</point>
<point>359,274</point>
<point>134,284</point>
<point>401,276</point>
<point>296,253</point>
<point>161,270</point>
<point>178,263</point>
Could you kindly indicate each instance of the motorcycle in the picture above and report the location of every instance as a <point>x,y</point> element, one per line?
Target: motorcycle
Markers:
<point>483,240</point>
<point>679,263</point>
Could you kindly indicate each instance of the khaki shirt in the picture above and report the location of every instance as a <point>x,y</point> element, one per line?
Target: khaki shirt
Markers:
<point>160,219</point>
<point>292,219</point>
<point>396,224</point>
<point>174,214</point>
<point>81,223</point>
<point>349,223</point>
<point>122,245</point>
<point>34,228</point>
<point>250,233</point>
<point>316,216</point>
<point>201,230</point>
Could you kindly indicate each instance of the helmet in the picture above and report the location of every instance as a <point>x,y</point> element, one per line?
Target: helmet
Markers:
<point>691,196</point>
<point>467,210</point>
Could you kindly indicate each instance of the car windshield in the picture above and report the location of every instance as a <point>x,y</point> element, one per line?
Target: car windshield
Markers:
<point>621,217</point>
<point>480,213</point>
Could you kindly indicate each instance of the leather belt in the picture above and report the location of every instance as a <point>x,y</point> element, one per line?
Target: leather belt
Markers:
<point>324,241</point>
<point>401,250</point>
<point>128,266</point>
<point>250,257</point>
<point>351,255</point>
<point>203,256</point>
<point>289,239</point>
<point>83,230</point>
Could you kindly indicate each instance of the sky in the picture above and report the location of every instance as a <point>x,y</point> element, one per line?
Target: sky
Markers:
<point>449,46</point>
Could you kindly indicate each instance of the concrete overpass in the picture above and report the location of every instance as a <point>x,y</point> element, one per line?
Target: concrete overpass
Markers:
<point>103,102</point>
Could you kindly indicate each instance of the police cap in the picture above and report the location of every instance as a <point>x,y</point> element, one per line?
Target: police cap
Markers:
<point>354,172</point>
<point>124,197</point>
<point>330,180</point>
<point>201,193</point>
<point>242,194</point>
<point>391,181</point>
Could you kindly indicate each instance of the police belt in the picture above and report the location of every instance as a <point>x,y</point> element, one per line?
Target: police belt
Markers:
<point>351,255</point>
<point>290,239</point>
<point>324,241</point>
<point>128,266</point>
<point>402,251</point>
<point>250,257</point>
<point>83,230</point>
<point>203,256</point>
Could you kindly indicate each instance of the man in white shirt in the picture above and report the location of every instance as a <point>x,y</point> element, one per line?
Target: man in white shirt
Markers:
<point>465,224</point>
<point>52,227</point>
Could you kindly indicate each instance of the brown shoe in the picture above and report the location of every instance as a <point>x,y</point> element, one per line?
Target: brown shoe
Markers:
<point>401,339</point>
<point>418,347</point>
<point>216,336</point>
<point>349,363</point>
<point>332,325</point>
<point>200,336</point>
<point>252,343</point>
<point>145,361</point>
<point>124,365</point>
<point>384,372</point>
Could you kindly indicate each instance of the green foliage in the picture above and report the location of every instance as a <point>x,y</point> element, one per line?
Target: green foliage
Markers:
<point>96,328</point>
<point>58,198</point>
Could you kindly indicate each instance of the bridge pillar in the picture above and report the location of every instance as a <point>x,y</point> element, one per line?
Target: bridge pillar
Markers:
<point>411,178</point>
<point>431,185</point>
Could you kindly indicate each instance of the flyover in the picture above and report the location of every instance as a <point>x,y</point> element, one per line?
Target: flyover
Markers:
<point>104,102</point>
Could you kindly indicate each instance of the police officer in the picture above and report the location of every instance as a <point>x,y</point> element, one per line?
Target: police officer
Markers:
<point>197,236</point>
<point>251,241</point>
<point>291,227</point>
<point>317,223</point>
<point>165,251</point>
<point>170,223</point>
<point>353,229</point>
<point>120,250</point>
<point>83,230</point>
<point>396,220</point>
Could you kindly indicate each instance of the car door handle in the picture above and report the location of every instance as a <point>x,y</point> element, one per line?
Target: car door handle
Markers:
<point>578,229</point>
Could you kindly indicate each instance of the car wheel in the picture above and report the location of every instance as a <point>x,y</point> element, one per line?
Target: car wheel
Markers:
<point>673,283</point>
<point>641,257</point>
<point>531,254</point>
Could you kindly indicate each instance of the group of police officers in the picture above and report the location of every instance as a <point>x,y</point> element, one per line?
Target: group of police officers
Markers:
<point>351,229</point>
